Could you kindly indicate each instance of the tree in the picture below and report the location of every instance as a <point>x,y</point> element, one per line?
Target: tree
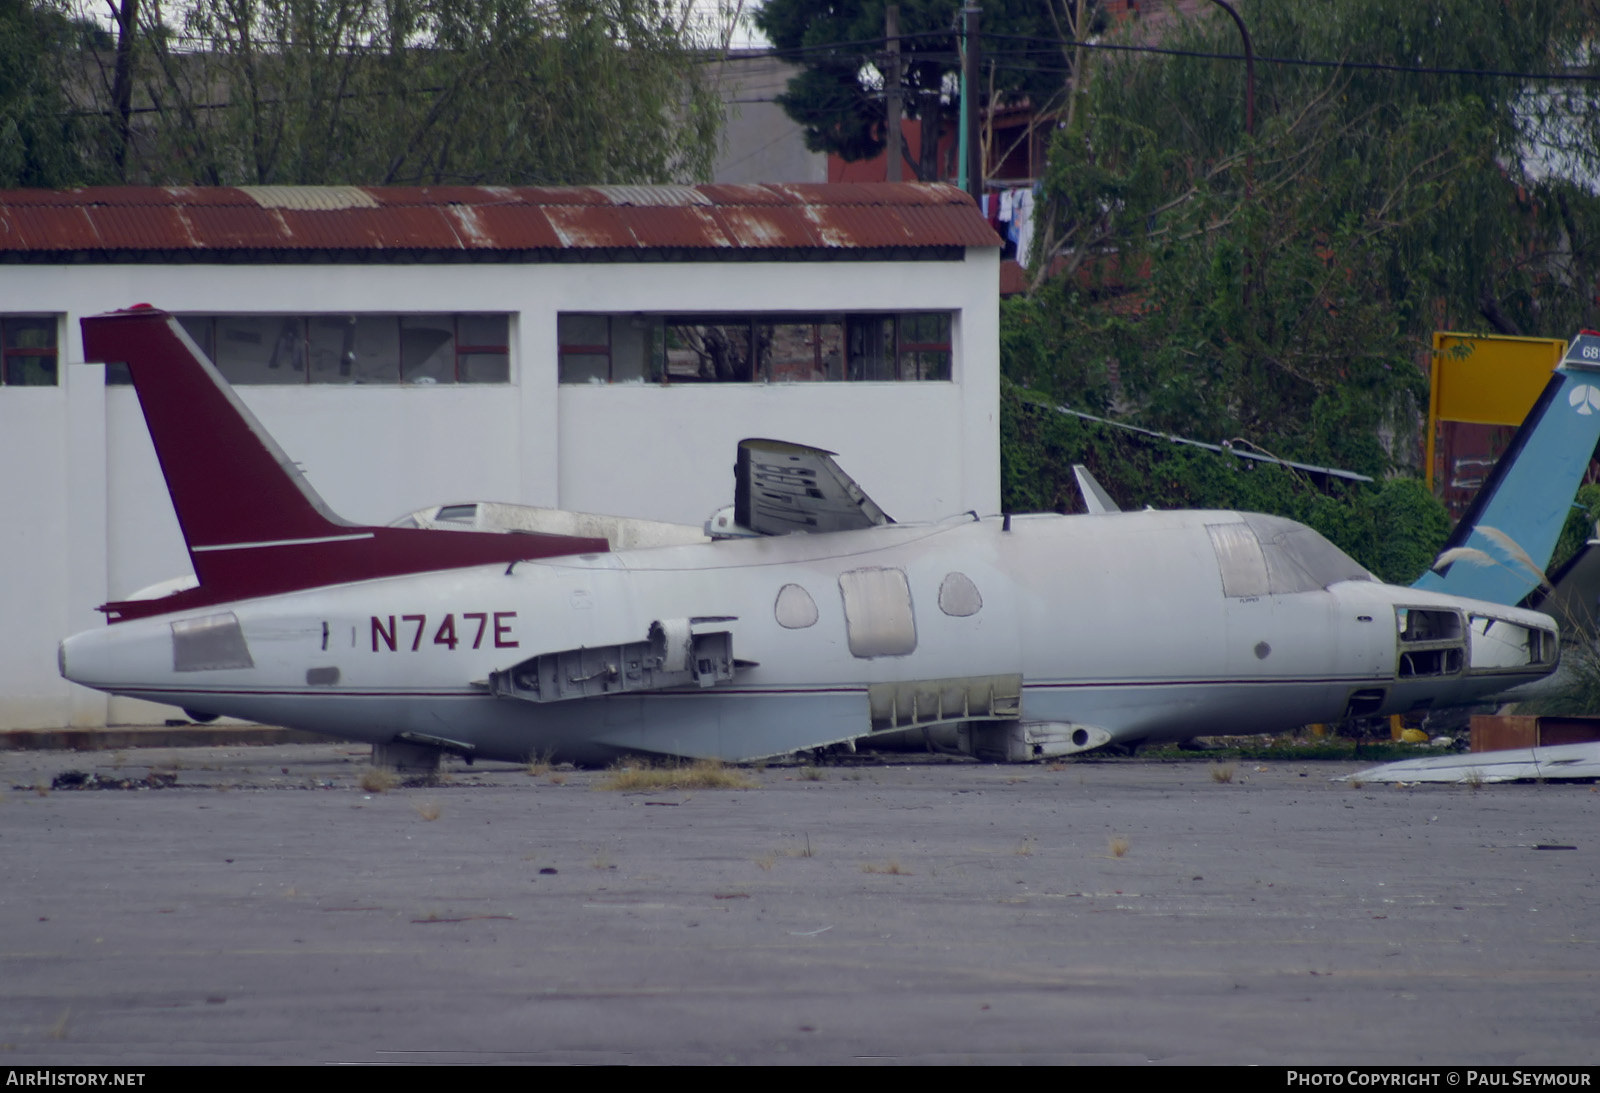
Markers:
<point>409,92</point>
<point>838,95</point>
<point>40,138</point>
<point>1280,288</point>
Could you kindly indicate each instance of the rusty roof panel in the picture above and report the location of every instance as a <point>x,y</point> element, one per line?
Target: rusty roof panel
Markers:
<point>233,227</point>
<point>955,225</point>
<point>681,227</point>
<point>747,193</point>
<point>875,193</point>
<point>518,227</point>
<point>36,228</point>
<point>753,226</point>
<point>123,227</point>
<point>590,227</point>
<point>861,226</point>
<point>390,196</point>
<point>366,229</point>
<point>562,195</point>
<point>723,218</point>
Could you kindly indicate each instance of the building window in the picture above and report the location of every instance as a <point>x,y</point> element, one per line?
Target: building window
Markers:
<point>354,349</point>
<point>757,348</point>
<point>29,346</point>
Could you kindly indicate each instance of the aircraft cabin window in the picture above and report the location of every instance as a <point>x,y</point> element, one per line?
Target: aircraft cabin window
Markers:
<point>958,596</point>
<point>877,612</point>
<point>415,349</point>
<point>28,343</point>
<point>795,609</point>
<point>753,348</point>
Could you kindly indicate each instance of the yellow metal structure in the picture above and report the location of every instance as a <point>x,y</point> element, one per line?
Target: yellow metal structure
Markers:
<point>1486,379</point>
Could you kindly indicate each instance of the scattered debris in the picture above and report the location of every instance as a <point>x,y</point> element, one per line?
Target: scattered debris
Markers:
<point>78,779</point>
<point>1562,762</point>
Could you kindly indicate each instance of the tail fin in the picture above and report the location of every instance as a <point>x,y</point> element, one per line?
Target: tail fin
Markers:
<point>1501,546</point>
<point>252,523</point>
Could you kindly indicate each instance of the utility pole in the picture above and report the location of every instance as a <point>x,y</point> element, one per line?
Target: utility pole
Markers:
<point>891,31</point>
<point>972,169</point>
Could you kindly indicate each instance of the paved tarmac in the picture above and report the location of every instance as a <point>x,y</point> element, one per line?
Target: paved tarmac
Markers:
<point>265,909</point>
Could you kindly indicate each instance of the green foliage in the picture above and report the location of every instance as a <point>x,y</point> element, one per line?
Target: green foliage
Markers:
<point>1282,287</point>
<point>40,141</point>
<point>409,92</point>
<point>1395,528</point>
<point>472,91</point>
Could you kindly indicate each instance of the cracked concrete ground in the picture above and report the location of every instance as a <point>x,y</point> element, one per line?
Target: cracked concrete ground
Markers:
<point>266,909</point>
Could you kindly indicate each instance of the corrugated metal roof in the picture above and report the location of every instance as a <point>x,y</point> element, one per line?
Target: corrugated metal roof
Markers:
<point>139,223</point>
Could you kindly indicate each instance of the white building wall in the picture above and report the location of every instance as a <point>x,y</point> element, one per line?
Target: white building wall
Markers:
<point>88,518</point>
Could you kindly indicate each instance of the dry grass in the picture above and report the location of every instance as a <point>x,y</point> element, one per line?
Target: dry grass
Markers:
<point>701,774</point>
<point>1117,846</point>
<point>378,779</point>
<point>1024,849</point>
<point>1222,773</point>
<point>42,788</point>
<point>801,851</point>
<point>1474,778</point>
<point>58,1031</point>
<point>812,774</point>
<point>766,861</point>
<point>428,810</point>
<point>889,868</point>
<point>538,764</point>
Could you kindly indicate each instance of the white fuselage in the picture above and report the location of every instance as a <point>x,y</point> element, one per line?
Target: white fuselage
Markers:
<point>1119,622</point>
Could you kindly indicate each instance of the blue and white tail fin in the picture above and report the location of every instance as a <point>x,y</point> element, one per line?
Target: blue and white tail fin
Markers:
<point>1501,547</point>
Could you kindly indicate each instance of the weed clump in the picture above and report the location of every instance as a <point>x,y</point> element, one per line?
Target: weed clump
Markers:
<point>890,868</point>
<point>701,774</point>
<point>378,779</point>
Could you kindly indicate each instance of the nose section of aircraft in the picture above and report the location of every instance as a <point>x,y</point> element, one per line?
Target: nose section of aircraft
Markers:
<point>1452,651</point>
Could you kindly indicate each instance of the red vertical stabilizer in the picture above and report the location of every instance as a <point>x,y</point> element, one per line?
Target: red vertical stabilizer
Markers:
<point>253,524</point>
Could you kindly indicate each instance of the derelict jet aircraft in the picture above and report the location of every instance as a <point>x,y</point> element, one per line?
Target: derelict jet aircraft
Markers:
<point>1033,635</point>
